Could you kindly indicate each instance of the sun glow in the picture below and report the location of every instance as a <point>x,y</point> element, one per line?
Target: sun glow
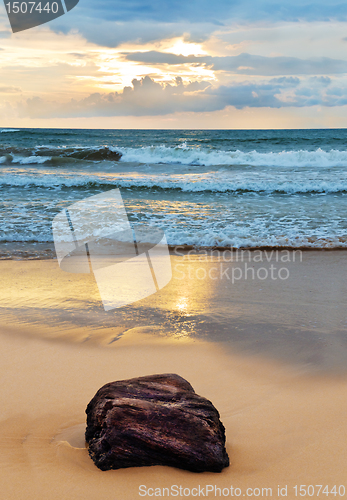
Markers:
<point>113,66</point>
<point>180,47</point>
<point>182,304</point>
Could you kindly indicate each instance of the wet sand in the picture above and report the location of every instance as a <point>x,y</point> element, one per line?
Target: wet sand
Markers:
<point>269,354</point>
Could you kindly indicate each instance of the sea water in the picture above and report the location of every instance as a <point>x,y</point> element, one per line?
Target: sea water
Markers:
<point>206,188</point>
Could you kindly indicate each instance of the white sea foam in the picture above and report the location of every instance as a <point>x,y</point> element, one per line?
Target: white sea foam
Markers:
<point>206,237</point>
<point>4,130</point>
<point>220,240</point>
<point>212,182</point>
<point>29,160</point>
<point>201,157</point>
<point>183,155</point>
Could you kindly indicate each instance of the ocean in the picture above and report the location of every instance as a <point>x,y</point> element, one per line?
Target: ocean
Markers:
<point>204,188</point>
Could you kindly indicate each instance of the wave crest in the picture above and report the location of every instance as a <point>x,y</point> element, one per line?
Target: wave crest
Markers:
<point>200,157</point>
<point>187,183</point>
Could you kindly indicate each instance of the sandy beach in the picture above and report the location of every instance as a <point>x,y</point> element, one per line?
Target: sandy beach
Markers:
<point>269,353</point>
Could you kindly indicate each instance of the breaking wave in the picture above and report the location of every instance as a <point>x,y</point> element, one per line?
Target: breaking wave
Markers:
<point>194,183</point>
<point>196,156</point>
<point>183,155</point>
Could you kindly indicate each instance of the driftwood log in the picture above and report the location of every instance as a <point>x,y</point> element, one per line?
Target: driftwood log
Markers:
<point>154,420</point>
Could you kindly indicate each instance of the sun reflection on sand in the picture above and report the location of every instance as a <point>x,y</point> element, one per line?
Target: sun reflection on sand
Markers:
<point>182,304</point>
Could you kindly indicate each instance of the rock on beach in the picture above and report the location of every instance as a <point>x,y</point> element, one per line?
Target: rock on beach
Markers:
<point>154,420</point>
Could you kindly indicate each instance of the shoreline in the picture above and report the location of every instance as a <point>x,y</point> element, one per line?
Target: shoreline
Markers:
<point>269,305</point>
<point>269,354</point>
<point>16,250</point>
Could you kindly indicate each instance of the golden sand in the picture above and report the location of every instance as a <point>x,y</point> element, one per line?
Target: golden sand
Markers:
<point>285,426</point>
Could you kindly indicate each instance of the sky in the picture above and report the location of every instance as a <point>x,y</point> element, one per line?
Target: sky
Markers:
<point>222,64</point>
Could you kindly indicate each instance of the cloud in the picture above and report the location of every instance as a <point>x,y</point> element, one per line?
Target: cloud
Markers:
<point>112,22</point>
<point>10,90</point>
<point>275,94</point>
<point>289,81</point>
<point>196,11</point>
<point>247,64</point>
<point>320,80</point>
<point>112,33</point>
<point>145,97</point>
<point>148,98</point>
